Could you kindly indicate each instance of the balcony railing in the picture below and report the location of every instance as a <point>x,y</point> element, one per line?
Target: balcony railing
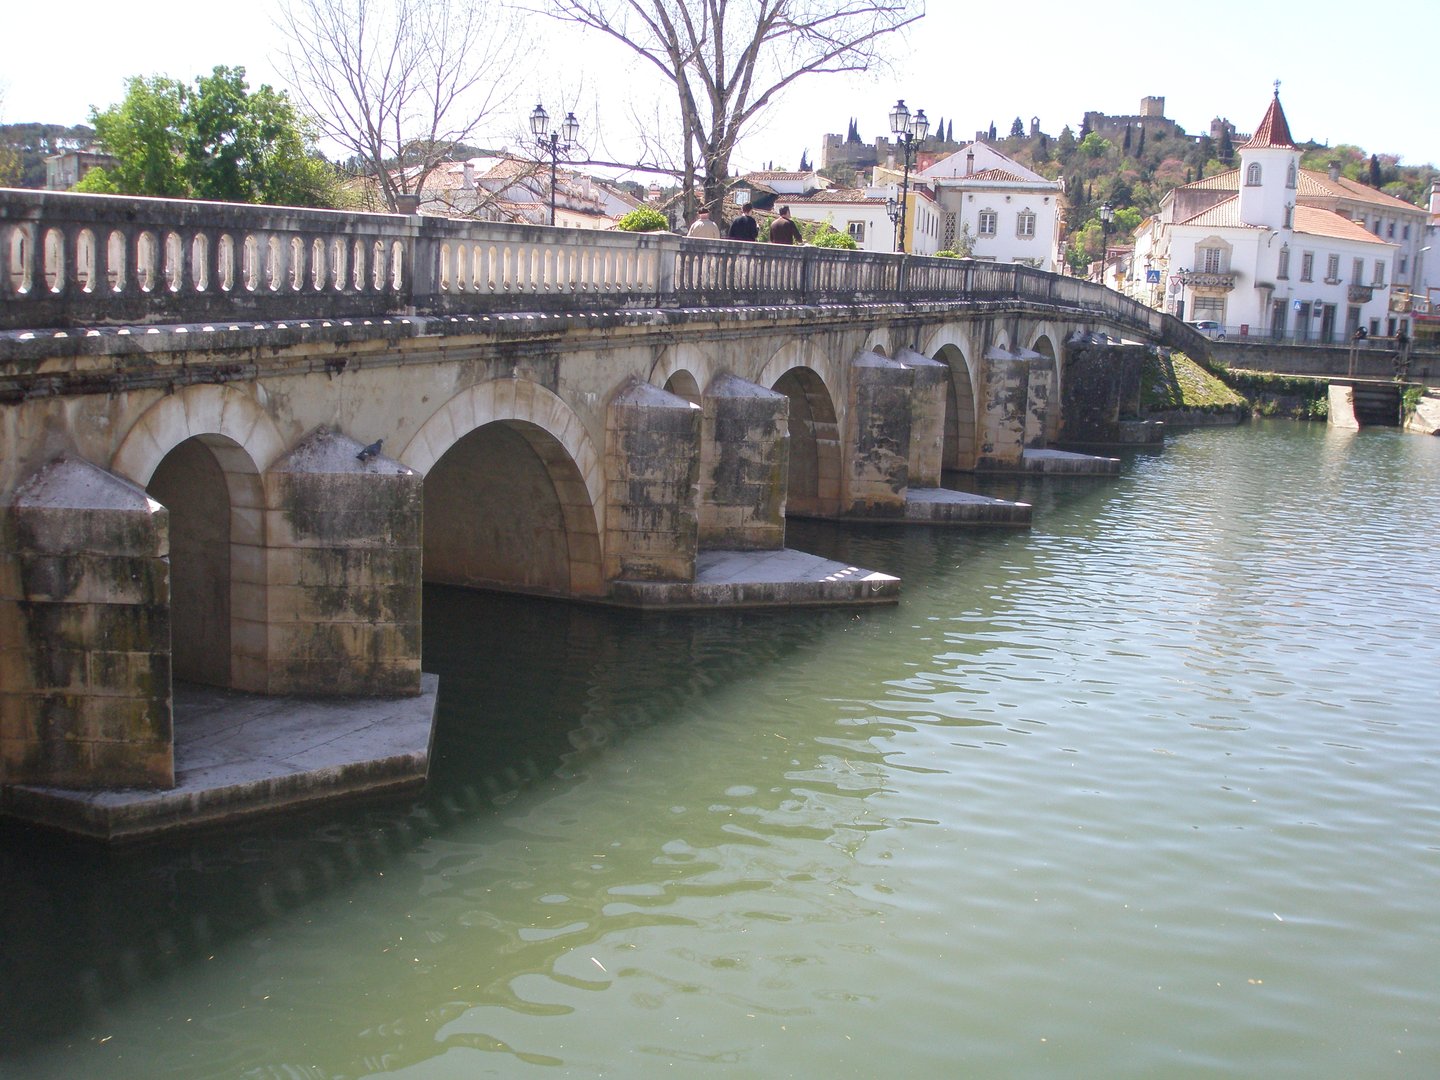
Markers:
<point>70,261</point>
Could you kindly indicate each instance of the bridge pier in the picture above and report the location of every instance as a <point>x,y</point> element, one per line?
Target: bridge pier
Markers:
<point>652,464</point>
<point>175,498</point>
<point>1006,397</point>
<point>876,447</point>
<point>85,633</point>
<point>343,574</point>
<point>743,464</point>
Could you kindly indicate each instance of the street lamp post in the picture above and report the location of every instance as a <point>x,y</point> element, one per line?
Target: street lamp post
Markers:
<point>553,143</point>
<point>909,132</point>
<point>1107,215</point>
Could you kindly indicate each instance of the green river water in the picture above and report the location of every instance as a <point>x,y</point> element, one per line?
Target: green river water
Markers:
<point>1148,790</point>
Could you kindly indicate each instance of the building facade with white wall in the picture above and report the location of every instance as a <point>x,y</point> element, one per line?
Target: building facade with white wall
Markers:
<point>862,213</point>
<point>1010,213</point>
<point>1260,262</point>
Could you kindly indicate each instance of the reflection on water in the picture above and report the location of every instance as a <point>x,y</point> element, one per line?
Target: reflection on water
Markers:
<point>1147,790</point>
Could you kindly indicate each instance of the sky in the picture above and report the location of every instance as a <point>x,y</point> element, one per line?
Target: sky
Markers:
<point>963,63</point>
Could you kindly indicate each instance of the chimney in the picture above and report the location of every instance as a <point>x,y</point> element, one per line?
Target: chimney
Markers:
<point>470,175</point>
<point>1435,196</point>
<point>1334,170</point>
<point>969,162</point>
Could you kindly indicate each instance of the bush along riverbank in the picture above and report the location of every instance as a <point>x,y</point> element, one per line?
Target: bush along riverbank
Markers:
<point>1183,392</point>
<point>1180,392</point>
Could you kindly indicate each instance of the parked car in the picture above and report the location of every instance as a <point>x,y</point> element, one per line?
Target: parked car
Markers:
<point>1210,328</point>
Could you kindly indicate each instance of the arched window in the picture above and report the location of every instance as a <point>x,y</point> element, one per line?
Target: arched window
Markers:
<point>1290,175</point>
<point>1252,174</point>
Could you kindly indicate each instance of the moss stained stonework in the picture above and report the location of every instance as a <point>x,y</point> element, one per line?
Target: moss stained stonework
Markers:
<point>877,442</point>
<point>1005,397</point>
<point>1102,388</point>
<point>652,465</point>
<point>85,633</point>
<point>344,557</point>
<point>744,459</point>
<point>929,386</point>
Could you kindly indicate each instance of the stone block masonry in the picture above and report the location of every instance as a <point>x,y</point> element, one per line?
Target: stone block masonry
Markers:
<point>85,633</point>
<point>344,582</point>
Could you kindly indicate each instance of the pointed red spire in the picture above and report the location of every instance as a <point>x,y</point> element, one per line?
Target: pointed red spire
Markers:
<point>1273,132</point>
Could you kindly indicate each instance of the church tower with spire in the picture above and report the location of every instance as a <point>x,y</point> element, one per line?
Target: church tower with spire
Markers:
<point>1270,171</point>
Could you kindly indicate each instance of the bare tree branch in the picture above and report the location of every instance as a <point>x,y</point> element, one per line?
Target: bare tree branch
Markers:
<point>728,60</point>
<point>399,83</point>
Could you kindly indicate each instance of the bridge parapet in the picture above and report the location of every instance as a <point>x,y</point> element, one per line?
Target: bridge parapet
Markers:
<point>69,260</point>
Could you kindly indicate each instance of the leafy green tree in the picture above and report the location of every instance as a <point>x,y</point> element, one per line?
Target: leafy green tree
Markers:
<point>1017,129</point>
<point>1095,145</point>
<point>643,219</point>
<point>215,140</point>
<point>1127,220</point>
<point>829,237</point>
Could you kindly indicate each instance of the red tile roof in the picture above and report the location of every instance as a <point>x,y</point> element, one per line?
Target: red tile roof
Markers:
<point>995,174</point>
<point>1313,221</point>
<point>1273,132</point>
<point>1223,215</point>
<point>1313,184</point>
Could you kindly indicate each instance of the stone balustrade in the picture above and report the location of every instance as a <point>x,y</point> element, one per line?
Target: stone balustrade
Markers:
<point>69,260</point>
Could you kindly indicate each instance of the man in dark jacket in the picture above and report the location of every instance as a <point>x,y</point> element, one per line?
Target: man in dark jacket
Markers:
<point>744,226</point>
<point>783,230</point>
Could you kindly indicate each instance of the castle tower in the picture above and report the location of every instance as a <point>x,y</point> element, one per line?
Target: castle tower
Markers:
<point>1269,171</point>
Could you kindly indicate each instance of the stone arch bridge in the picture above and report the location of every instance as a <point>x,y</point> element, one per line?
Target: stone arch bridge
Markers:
<point>188,392</point>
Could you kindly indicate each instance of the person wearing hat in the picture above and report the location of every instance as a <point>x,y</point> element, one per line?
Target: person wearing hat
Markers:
<point>703,227</point>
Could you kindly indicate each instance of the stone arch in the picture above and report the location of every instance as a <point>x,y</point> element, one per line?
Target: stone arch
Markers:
<point>962,404</point>
<point>225,441</point>
<point>197,410</point>
<point>1044,344</point>
<point>522,492</point>
<point>961,427</point>
<point>681,368</point>
<point>812,381</point>
<point>214,497</point>
<point>682,384</point>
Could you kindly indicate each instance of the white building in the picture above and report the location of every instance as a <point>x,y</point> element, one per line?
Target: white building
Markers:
<point>862,213</point>
<point>1010,213</point>
<point>790,183</point>
<point>1261,261</point>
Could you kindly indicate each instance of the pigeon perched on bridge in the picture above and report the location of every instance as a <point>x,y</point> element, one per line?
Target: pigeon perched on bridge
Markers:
<point>370,451</point>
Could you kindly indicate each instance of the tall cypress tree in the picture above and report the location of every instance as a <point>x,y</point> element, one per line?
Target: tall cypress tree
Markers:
<point>1226,151</point>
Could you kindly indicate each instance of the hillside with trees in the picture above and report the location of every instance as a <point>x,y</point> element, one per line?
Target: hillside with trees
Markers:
<point>24,148</point>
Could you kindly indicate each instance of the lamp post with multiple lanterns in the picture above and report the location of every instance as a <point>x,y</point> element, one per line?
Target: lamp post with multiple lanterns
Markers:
<point>1107,215</point>
<point>553,143</point>
<point>909,132</point>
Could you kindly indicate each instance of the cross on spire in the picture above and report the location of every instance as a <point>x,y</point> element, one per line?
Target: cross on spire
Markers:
<point>1277,88</point>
